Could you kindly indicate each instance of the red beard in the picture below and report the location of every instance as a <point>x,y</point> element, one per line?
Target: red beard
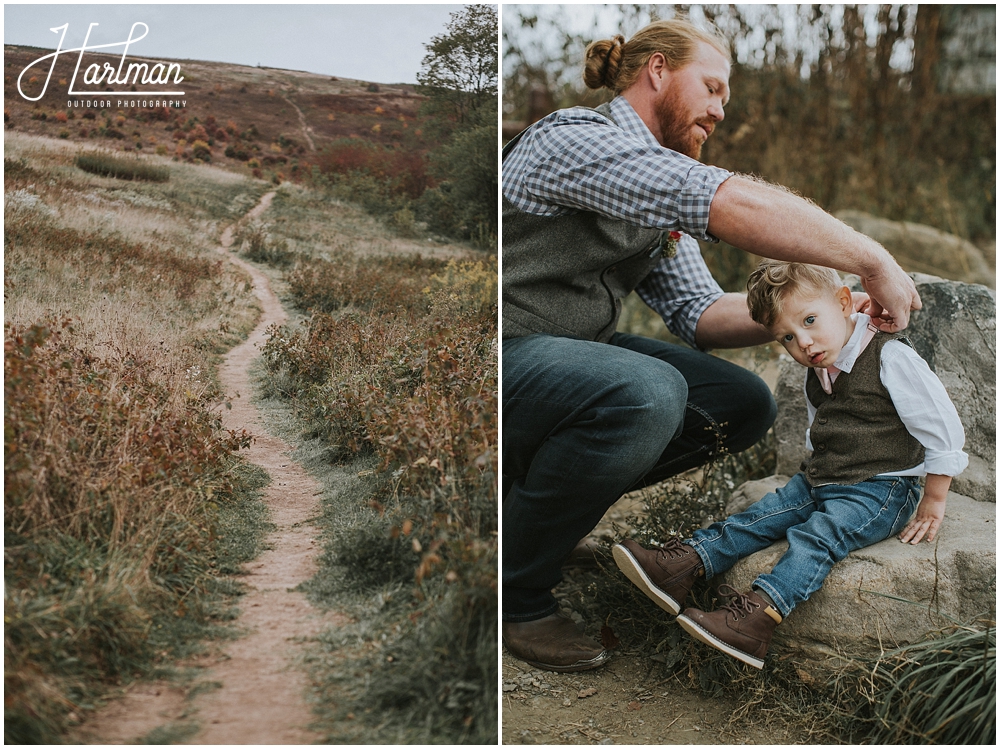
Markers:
<point>676,131</point>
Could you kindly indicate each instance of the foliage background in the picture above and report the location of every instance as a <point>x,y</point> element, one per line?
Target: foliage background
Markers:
<point>845,104</point>
<point>450,189</point>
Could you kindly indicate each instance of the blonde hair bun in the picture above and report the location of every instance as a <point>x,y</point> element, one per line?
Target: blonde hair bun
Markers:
<point>602,62</point>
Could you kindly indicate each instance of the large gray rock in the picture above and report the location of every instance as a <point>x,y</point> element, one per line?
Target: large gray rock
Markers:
<point>924,249</point>
<point>955,333</point>
<point>889,593</point>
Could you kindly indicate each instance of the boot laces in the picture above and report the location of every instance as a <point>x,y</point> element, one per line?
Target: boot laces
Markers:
<point>739,604</point>
<point>673,548</point>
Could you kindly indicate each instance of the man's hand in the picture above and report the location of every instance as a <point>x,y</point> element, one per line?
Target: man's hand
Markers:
<point>893,295</point>
<point>861,301</point>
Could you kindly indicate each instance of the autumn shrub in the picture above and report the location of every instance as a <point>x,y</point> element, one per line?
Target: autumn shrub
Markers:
<point>112,480</point>
<point>350,281</point>
<point>398,362</point>
<point>108,165</point>
<point>201,151</point>
<point>403,171</point>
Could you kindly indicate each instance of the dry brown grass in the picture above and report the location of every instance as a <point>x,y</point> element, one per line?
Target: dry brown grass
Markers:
<point>116,467</point>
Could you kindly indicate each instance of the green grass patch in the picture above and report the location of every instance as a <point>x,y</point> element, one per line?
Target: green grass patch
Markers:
<point>108,165</point>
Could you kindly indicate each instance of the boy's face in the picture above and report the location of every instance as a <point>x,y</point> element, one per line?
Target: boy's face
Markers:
<point>815,325</point>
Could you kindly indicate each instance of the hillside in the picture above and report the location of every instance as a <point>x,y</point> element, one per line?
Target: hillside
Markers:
<point>281,118</point>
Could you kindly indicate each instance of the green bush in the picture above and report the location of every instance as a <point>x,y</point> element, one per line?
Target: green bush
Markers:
<point>257,244</point>
<point>108,165</point>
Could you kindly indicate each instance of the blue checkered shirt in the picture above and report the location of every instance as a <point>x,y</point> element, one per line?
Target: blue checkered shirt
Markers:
<point>576,160</point>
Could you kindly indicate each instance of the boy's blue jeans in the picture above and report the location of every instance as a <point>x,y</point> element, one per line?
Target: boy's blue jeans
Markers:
<point>585,422</point>
<point>822,524</point>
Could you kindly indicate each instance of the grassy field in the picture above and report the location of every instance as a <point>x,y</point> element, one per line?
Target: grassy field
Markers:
<point>125,501</point>
<point>127,505</point>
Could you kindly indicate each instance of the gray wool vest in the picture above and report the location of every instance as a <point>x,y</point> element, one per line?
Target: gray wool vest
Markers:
<point>567,275</point>
<point>857,433</point>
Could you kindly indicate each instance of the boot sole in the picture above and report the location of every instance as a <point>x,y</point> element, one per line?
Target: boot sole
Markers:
<point>631,568</point>
<point>596,662</point>
<point>699,633</point>
<point>587,665</point>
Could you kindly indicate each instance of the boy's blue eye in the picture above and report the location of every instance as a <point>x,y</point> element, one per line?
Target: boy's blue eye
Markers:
<point>811,319</point>
<point>789,337</point>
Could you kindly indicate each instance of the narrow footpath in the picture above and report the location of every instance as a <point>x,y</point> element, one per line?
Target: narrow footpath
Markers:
<point>253,689</point>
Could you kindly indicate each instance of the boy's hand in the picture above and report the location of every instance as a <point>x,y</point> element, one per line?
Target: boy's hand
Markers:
<point>925,522</point>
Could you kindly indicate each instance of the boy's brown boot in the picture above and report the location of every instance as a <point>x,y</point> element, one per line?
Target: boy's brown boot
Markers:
<point>741,627</point>
<point>665,574</point>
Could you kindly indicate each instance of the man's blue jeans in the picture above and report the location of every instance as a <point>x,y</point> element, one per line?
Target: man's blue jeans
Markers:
<point>822,524</point>
<point>586,422</point>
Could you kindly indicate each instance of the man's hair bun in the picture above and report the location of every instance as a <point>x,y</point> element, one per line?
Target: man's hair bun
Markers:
<point>602,62</point>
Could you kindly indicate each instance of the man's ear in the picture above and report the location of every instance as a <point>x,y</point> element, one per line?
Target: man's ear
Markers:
<point>656,69</point>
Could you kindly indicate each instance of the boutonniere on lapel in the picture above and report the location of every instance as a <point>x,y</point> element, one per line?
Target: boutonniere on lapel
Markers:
<point>668,244</point>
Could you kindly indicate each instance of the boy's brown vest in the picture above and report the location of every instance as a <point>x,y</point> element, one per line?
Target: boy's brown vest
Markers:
<point>857,433</point>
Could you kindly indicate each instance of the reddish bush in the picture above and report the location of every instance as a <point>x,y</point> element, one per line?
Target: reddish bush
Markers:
<point>406,171</point>
<point>197,133</point>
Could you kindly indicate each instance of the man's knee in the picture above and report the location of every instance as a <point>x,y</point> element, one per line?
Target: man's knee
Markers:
<point>657,397</point>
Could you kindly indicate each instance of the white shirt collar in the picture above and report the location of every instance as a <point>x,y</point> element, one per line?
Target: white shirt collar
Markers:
<point>854,346</point>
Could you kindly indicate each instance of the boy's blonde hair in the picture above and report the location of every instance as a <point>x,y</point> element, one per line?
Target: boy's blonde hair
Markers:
<point>773,280</point>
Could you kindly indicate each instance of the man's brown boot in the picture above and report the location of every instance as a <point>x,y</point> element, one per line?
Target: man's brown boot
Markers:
<point>553,643</point>
<point>665,574</point>
<point>742,627</point>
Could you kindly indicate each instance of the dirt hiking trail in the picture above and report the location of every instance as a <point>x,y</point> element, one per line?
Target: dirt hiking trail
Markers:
<point>250,690</point>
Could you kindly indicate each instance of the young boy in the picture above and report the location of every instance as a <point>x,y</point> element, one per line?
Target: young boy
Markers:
<point>879,419</point>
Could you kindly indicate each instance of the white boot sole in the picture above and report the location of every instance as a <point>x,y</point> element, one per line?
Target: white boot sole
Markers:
<point>708,638</point>
<point>630,566</point>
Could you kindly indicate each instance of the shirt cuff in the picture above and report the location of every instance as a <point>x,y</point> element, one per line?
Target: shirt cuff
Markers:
<point>693,315</point>
<point>945,463</point>
<point>701,185</point>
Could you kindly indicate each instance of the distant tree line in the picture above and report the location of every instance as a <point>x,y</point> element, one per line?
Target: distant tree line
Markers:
<point>451,189</point>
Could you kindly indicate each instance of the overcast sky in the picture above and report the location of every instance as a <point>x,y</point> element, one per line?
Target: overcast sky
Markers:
<point>383,43</point>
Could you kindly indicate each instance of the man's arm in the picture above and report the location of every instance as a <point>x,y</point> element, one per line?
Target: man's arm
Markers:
<point>726,323</point>
<point>768,221</point>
